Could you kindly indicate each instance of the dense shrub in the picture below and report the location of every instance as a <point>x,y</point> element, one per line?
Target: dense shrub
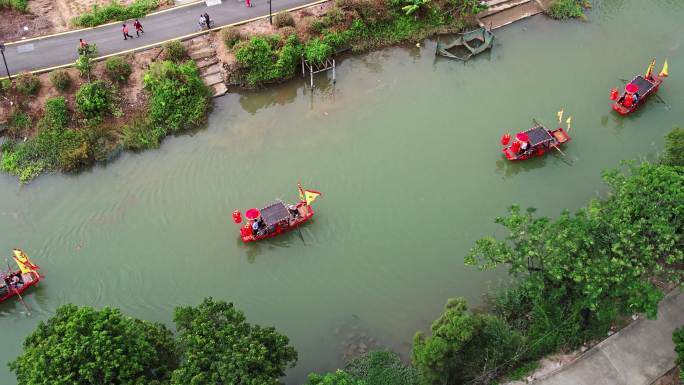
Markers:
<point>674,148</point>
<point>61,80</point>
<point>118,69</point>
<point>340,377</point>
<point>381,368</point>
<point>231,36</point>
<point>56,112</point>
<point>115,11</point>
<point>95,99</point>
<point>5,86</point>
<point>175,51</point>
<point>19,121</point>
<point>262,63</point>
<point>283,19</point>
<point>140,134</point>
<point>84,65</point>
<point>178,97</point>
<point>566,9</point>
<point>28,84</point>
<point>19,5</point>
<point>678,339</point>
<point>316,52</point>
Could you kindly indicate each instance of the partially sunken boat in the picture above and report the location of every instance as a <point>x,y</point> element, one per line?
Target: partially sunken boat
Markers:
<point>467,45</point>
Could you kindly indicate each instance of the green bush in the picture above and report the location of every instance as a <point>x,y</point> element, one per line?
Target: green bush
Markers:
<point>231,36</point>
<point>175,51</point>
<point>94,100</point>
<point>178,97</point>
<point>118,69</point>
<point>84,65</point>
<point>262,63</point>
<point>340,377</point>
<point>56,112</point>
<point>28,84</point>
<point>674,148</point>
<point>5,86</point>
<point>115,11</point>
<point>678,339</point>
<point>316,52</point>
<point>19,121</point>
<point>566,9</point>
<point>283,19</point>
<point>140,134</point>
<point>19,5</point>
<point>381,368</point>
<point>61,80</point>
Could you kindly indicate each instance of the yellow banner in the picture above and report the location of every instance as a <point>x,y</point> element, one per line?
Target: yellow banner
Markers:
<point>310,196</point>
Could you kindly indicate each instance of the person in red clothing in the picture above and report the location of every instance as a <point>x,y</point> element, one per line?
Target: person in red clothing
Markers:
<point>82,44</point>
<point>124,30</point>
<point>248,3</point>
<point>138,28</point>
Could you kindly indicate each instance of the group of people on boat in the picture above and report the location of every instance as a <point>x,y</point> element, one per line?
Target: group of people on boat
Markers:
<point>11,280</point>
<point>259,226</point>
<point>630,97</point>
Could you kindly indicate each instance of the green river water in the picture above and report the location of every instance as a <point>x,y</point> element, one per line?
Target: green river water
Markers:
<point>405,148</point>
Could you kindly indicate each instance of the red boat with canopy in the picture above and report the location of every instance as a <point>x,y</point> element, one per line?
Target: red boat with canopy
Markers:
<point>276,218</point>
<point>533,142</point>
<point>16,282</point>
<point>638,90</point>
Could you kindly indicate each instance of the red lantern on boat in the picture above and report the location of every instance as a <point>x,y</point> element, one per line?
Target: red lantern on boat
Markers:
<point>237,216</point>
<point>540,151</point>
<point>515,146</point>
<point>252,214</point>
<point>505,139</point>
<point>631,88</point>
<point>523,137</point>
<point>614,95</point>
<point>628,100</point>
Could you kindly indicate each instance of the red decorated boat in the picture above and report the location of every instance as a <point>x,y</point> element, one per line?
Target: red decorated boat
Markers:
<point>276,218</point>
<point>16,282</point>
<point>536,141</point>
<point>638,90</point>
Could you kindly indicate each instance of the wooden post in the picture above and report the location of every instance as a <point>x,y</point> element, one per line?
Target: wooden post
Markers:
<point>334,71</point>
<point>311,72</point>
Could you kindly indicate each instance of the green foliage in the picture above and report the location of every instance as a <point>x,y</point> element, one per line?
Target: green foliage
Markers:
<point>19,5</point>
<point>262,62</point>
<point>231,36</point>
<point>283,19</point>
<point>118,69</point>
<point>95,100</point>
<point>89,50</point>
<point>566,9</point>
<point>88,346</point>
<point>28,84</point>
<point>338,378</point>
<point>221,347</point>
<point>464,347</point>
<point>678,339</point>
<point>674,148</point>
<point>178,97</point>
<point>56,112</point>
<point>413,6</point>
<point>84,65</point>
<point>115,11</point>
<point>522,371</point>
<point>5,86</point>
<point>380,368</point>
<point>175,51</point>
<point>140,134</point>
<point>19,121</point>
<point>61,80</point>
<point>317,51</point>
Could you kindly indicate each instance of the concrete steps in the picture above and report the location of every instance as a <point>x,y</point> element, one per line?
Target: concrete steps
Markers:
<point>201,50</point>
<point>504,12</point>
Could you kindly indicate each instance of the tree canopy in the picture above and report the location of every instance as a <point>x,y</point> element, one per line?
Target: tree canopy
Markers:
<point>220,347</point>
<point>79,346</point>
<point>340,377</point>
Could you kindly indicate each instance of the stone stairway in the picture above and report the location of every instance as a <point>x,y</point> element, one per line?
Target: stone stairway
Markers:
<point>201,50</point>
<point>504,12</point>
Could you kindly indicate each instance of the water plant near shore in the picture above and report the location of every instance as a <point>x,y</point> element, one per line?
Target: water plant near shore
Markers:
<point>115,11</point>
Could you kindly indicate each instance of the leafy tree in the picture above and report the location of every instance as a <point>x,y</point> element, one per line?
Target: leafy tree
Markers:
<point>678,339</point>
<point>674,148</point>
<point>340,377</point>
<point>118,69</point>
<point>87,346</point>
<point>465,348</point>
<point>316,52</point>
<point>221,347</point>
<point>61,80</point>
<point>95,99</point>
<point>380,368</point>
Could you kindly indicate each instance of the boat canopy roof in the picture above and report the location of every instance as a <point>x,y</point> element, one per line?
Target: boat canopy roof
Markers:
<point>274,213</point>
<point>643,85</point>
<point>538,135</point>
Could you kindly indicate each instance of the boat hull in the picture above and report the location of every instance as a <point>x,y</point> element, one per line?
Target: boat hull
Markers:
<point>624,111</point>
<point>247,238</point>
<point>30,279</point>
<point>560,135</point>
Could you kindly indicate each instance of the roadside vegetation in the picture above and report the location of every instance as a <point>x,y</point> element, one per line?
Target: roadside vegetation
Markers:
<point>115,11</point>
<point>568,9</point>
<point>61,138</point>
<point>355,24</point>
<point>678,339</point>
<point>19,5</point>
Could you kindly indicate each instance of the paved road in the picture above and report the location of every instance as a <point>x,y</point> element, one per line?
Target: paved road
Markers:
<point>637,355</point>
<point>61,49</point>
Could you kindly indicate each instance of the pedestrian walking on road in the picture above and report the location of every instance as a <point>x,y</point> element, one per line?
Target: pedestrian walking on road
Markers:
<point>138,28</point>
<point>248,3</point>
<point>124,30</point>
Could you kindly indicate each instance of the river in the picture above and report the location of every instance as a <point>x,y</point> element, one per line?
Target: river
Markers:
<point>405,149</point>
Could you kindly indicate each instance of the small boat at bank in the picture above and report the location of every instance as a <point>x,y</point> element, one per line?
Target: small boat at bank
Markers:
<point>536,141</point>
<point>467,45</point>
<point>638,90</point>
<point>276,218</point>
<point>16,282</point>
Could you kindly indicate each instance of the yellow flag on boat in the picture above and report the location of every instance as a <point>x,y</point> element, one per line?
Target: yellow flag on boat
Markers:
<point>310,196</point>
<point>649,71</point>
<point>560,115</point>
<point>664,73</point>
<point>569,122</point>
<point>23,262</point>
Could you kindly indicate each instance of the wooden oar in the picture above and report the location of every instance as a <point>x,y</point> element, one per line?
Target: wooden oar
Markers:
<point>661,100</point>
<point>28,311</point>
